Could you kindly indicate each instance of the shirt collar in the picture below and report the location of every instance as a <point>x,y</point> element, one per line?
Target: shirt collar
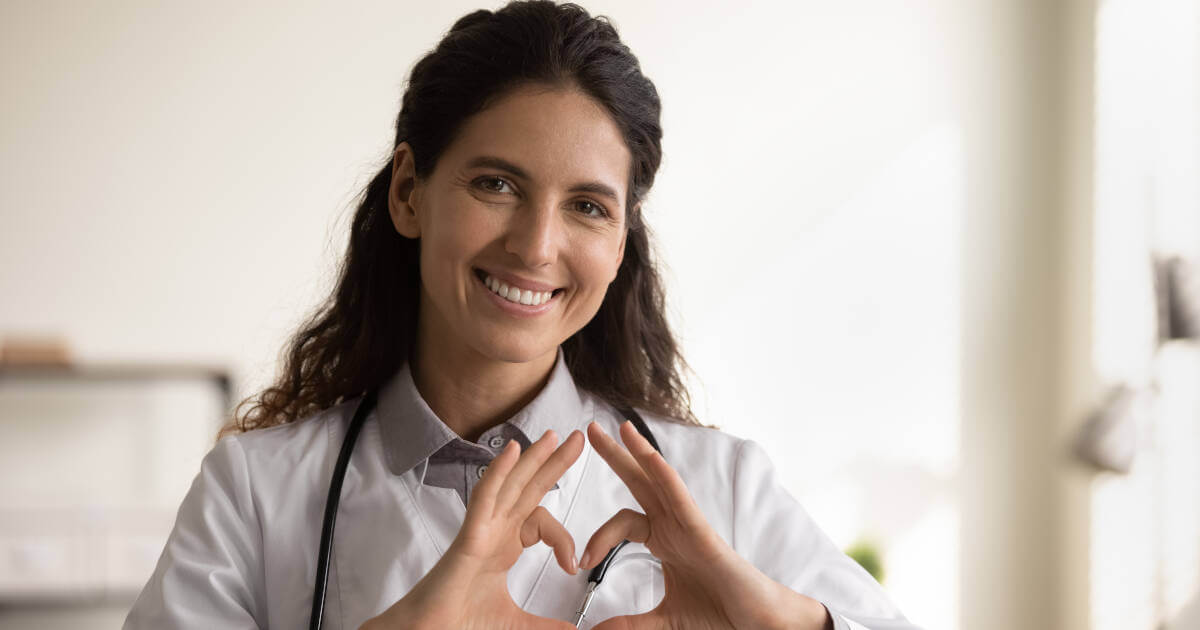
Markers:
<point>411,432</point>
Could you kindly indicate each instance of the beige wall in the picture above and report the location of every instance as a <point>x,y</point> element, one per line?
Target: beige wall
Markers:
<point>1027,376</point>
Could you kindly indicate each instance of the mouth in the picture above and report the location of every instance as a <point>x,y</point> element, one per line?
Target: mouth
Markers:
<point>514,294</point>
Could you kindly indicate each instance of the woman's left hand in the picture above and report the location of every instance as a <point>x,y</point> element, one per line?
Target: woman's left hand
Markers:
<point>708,585</point>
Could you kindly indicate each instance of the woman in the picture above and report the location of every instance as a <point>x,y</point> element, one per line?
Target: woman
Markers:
<point>498,292</point>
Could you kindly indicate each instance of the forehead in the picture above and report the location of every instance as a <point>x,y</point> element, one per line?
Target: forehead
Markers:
<point>557,135</point>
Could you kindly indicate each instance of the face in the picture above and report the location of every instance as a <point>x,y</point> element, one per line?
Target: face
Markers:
<point>522,225</point>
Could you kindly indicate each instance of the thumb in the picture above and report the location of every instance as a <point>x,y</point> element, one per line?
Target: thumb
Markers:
<point>624,525</point>
<point>541,525</point>
<point>626,622</point>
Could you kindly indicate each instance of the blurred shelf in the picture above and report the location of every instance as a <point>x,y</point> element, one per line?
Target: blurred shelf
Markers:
<point>119,372</point>
<point>94,461</point>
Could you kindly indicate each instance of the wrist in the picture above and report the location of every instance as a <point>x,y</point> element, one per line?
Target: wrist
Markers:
<point>800,612</point>
<point>390,618</point>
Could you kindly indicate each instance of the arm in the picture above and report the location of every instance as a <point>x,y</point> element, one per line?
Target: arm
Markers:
<point>212,563</point>
<point>776,534</point>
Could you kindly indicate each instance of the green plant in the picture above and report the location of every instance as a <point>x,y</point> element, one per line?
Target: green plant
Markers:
<point>866,553</point>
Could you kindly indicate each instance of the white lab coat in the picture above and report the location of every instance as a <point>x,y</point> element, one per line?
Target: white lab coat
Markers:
<point>244,547</point>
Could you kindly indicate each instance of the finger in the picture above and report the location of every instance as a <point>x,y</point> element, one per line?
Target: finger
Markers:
<point>626,467</point>
<point>635,444</point>
<point>671,489</point>
<point>483,497</point>
<point>531,460</point>
<point>550,473</point>
<point>624,525</point>
<point>541,525</point>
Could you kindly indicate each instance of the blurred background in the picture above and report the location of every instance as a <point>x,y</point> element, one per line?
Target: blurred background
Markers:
<point>937,256</point>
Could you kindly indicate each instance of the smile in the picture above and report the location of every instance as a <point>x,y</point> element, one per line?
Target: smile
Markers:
<point>514,294</point>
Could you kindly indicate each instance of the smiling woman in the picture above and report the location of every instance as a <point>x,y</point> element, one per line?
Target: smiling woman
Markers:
<point>538,89</point>
<point>516,204</point>
<point>498,291</point>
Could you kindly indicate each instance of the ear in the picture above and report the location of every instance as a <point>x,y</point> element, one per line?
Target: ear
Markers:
<point>403,193</point>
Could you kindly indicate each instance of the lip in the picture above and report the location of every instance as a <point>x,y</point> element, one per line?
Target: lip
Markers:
<point>519,282</point>
<point>515,308</point>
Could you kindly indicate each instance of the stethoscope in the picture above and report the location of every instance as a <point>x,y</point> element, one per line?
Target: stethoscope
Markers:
<point>335,493</point>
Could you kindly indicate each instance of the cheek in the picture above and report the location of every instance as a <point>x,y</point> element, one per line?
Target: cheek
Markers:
<point>452,239</point>
<point>598,260</point>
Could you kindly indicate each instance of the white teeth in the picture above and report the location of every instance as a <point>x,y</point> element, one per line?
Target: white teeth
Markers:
<point>513,294</point>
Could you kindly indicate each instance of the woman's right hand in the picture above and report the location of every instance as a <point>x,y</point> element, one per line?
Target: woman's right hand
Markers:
<point>468,587</point>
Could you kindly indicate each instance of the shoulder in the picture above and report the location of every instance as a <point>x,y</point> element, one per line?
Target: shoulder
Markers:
<point>691,439</point>
<point>286,449</point>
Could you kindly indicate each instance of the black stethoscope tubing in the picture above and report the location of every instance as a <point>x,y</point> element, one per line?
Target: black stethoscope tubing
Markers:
<point>335,493</point>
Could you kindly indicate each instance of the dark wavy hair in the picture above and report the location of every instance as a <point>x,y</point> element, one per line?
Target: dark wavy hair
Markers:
<point>365,330</point>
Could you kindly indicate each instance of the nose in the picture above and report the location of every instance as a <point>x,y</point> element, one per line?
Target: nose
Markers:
<point>533,234</point>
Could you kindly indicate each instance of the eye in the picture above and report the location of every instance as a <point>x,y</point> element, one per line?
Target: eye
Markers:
<point>591,209</point>
<point>493,184</point>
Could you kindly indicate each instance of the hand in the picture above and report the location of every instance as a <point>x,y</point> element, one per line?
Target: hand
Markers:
<point>468,587</point>
<point>707,584</point>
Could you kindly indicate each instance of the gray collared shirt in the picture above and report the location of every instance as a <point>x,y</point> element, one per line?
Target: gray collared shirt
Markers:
<point>414,437</point>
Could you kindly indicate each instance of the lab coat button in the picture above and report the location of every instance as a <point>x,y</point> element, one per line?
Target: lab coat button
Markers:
<point>496,441</point>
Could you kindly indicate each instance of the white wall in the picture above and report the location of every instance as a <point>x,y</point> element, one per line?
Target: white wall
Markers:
<point>1145,531</point>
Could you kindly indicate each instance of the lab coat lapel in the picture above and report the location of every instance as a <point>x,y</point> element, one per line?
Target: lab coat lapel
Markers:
<point>390,531</point>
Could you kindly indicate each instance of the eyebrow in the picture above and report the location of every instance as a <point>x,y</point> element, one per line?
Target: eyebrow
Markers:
<point>488,161</point>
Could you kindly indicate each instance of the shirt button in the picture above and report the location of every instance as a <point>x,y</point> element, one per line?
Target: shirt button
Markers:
<point>496,441</point>
<point>479,471</point>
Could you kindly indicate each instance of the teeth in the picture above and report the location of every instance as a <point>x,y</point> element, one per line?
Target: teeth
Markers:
<point>513,294</point>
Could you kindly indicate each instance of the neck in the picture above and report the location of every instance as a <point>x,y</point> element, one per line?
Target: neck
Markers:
<point>472,393</point>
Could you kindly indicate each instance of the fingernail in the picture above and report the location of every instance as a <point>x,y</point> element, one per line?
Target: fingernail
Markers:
<point>574,566</point>
<point>583,562</point>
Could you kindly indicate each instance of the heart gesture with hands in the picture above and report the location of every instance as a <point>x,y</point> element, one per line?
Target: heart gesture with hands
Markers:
<point>467,589</point>
<point>708,585</point>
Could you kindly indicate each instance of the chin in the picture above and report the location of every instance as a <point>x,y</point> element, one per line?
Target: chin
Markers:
<point>513,351</point>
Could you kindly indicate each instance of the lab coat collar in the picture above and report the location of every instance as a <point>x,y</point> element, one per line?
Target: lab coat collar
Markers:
<point>411,431</point>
